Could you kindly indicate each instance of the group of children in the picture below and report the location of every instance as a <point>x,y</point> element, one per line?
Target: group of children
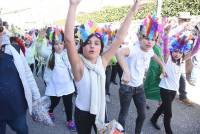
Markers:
<point>67,68</point>
<point>88,71</point>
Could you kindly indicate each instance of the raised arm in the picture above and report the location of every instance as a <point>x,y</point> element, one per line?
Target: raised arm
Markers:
<point>75,61</point>
<point>165,38</point>
<point>194,50</point>
<point>122,32</point>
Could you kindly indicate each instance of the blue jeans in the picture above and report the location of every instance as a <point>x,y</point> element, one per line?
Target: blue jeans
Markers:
<point>126,94</point>
<point>19,125</point>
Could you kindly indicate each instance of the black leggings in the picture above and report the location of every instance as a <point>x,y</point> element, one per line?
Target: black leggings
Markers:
<point>67,100</point>
<point>84,121</point>
<point>167,97</point>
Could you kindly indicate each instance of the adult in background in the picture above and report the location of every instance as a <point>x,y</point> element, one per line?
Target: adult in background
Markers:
<point>183,26</point>
<point>18,88</point>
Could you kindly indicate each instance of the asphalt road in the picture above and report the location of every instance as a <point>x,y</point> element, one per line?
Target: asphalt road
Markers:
<point>185,120</point>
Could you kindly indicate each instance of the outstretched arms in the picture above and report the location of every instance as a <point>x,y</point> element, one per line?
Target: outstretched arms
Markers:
<point>76,63</point>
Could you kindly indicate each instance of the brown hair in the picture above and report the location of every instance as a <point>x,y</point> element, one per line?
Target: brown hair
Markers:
<point>83,44</point>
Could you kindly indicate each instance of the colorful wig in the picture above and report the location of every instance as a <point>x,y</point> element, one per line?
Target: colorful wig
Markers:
<point>181,42</point>
<point>149,28</point>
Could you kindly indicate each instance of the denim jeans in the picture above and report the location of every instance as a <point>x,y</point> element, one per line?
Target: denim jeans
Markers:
<point>19,125</point>
<point>126,94</point>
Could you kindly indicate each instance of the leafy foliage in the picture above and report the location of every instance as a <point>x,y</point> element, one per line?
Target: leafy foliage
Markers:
<point>169,8</point>
<point>172,7</point>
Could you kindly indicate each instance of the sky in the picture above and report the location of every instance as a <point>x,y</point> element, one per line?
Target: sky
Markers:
<point>47,11</point>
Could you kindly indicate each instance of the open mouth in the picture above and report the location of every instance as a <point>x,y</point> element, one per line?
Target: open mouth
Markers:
<point>91,51</point>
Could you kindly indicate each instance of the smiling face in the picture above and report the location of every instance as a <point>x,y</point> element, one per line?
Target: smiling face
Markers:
<point>92,48</point>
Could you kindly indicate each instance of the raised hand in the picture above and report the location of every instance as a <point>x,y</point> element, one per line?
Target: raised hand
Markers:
<point>138,4</point>
<point>74,2</point>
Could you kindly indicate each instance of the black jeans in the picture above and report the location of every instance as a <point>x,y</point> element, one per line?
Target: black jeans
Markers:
<point>116,69</point>
<point>126,94</point>
<point>84,121</point>
<point>167,97</point>
<point>182,88</point>
<point>67,101</point>
<point>108,76</point>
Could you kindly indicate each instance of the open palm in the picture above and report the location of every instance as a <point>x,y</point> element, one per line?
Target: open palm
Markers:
<point>140,3</point>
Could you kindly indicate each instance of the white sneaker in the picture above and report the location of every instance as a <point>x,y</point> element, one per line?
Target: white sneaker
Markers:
<point>107,98</point>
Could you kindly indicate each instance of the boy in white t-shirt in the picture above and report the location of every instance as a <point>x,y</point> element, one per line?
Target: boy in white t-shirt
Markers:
<point>134,60</point>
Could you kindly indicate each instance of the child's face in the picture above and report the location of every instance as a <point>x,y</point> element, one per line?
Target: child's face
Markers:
<point>58,47</point>
<point>93,48</point>
<point>147,44</point>
<point>177,55</point>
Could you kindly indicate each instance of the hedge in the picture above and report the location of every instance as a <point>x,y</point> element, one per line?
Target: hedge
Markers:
<point>169,8</point>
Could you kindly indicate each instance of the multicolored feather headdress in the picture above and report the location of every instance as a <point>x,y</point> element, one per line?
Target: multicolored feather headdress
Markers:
<point>150,28</point>
<point>181,42</point>
<point>58,35</point>
<point>85,30</point>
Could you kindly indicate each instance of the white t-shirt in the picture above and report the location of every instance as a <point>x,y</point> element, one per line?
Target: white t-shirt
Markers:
<point>138,61</point>
<point>60,82</point>
<point>83,89</point>
<point>174,73</point>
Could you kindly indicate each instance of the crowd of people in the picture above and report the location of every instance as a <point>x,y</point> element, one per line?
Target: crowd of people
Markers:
<point>81,62</point>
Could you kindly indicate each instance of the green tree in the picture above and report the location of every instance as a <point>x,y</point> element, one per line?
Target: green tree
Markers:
<point>172,7</point>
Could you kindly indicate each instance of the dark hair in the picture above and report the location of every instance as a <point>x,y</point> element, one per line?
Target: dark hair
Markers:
<point>1,25</point>
<point>83,44</point>
<point>5,23</point>
<point>51,62</point>
<point>179,61</point>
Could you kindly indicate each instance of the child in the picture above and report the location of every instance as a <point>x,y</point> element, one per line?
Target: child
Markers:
<point>137,61</point>
<point>58,78</point>
<point>179,46</point>
<point>89,70</point>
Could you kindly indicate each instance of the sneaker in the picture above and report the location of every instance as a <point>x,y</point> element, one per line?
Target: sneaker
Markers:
<point>114,82</point>
<point>186,102</point>
<point>155,125</point>
<point>71,126</point>
<point>107,98</point>
<point>52,116</point>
